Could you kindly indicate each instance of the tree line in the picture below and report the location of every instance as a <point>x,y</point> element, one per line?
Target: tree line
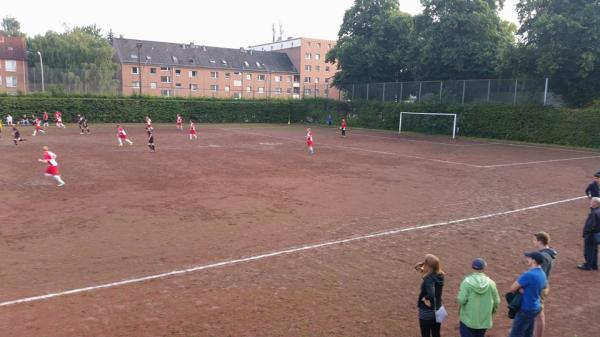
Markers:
<point>467,39</point>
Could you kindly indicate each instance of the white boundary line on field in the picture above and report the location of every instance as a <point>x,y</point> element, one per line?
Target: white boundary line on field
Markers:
<point>429,159</point>
<point>278,253</point>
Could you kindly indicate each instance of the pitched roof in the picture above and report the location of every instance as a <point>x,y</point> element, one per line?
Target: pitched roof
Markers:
<point>198,56</point>
<point>12,48</point>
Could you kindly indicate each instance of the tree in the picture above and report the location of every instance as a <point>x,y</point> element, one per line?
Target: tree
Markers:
<point>374,43</point>
<point>78,60</point>
<point>561,40</point>
<point>11,27</point>
<point>461,39</point>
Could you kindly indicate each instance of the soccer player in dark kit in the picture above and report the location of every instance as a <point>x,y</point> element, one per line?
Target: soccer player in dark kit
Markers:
<point>17,135</point>
<point>150,132</point>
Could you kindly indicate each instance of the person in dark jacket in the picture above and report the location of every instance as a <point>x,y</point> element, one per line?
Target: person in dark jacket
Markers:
<point>591,237</point>
<point>541,241</point>
<point>593,189</point>
<point>430,296</point>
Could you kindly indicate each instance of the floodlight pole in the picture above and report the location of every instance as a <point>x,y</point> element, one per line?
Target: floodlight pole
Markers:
<point>42,68</point>
<point>139,47</point>
<point>546,91</point>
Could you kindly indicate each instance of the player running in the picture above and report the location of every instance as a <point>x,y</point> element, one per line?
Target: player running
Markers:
<point>122,136</point>
<point>193,130</point>
<point>38,127</point>
<point>150,132</point>
<point>45,119</point>
<point>179,122</point>
<point>17,135</point>
<point>58,118</point>
<point>83,125</point>
<point>343,127</point>
<point>52,169</point>
<point>309,141</point>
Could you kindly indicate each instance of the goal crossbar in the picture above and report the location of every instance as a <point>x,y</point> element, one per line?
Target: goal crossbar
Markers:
<point>428,113</point>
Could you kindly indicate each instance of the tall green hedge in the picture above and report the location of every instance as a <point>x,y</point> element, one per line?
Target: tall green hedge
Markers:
<point>522,123</point>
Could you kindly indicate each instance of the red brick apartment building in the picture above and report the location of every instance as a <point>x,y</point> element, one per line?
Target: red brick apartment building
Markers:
<point>172,69</point>
<point>308,56</point>
<point>13,64</point>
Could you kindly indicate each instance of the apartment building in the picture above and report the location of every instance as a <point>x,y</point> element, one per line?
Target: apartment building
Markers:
<point>308,56</point>
<point>13,64</point>
<point>190,70</point>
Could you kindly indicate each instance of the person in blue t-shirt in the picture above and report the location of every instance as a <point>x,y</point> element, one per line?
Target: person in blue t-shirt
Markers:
<point>530,284</point>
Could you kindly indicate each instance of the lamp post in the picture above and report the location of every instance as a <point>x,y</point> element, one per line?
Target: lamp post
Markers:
<point>139,47</point>
<point>42,67</point>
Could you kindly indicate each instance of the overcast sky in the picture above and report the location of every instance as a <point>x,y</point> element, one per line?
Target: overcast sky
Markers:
<point>223,23</point>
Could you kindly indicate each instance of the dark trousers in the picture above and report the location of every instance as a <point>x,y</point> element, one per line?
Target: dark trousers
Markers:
<point>523,324</point>
<point>465,331</point>
<point>429,328</point>
<point>590,251</point>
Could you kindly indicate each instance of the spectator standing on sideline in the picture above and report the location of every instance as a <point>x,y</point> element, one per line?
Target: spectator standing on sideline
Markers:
<point>593,189</point>
<point>329,120</point>
<point>541,241</point>
<point>530,284</point>
<point>430,296</point>
<point>478,300</point>
<point>9,120</point>
<point>45,119</point>
<point>591,237</point>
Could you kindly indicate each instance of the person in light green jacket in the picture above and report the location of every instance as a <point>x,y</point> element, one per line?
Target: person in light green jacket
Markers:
<point>478,300</point>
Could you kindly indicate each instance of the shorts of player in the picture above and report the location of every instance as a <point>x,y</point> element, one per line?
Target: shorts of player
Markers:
<point>52,170</point>
<point>37,128</point>
<point>123,137</point>
<point>309,143</point>
<point>193,132</point>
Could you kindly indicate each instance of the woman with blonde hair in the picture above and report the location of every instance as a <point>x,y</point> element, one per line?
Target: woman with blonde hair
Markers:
<point>430,296</point>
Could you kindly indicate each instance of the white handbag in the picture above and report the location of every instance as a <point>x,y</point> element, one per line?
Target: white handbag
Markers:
<point>441,314</point>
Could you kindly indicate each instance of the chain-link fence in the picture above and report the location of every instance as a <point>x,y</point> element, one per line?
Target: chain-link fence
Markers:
<point>502,91</point>
<point>74,81</point>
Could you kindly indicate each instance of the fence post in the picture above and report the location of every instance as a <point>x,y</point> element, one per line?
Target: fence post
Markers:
<point>383,93</point>
<point>515,99</point>
<point>367,92</point>
<point>463,93</point>
<point>441,85</point>
<point>546,91</point>
<point>420,86</point>
<point>353,93</point>
<point>489,89</point>
<point>401,89</point>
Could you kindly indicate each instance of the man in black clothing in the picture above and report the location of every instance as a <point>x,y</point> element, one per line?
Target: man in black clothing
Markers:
<point>17,136</point>
<point>593,189</point>
<point>150,131</point>
<point>591,236</point>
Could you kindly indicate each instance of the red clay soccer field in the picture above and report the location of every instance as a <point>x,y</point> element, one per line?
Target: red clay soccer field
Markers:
<point>265,240</point>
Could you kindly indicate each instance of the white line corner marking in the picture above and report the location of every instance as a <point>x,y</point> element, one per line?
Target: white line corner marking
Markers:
<point>276,253</point>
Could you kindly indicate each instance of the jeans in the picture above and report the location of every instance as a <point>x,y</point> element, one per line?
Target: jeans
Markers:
<point>429,328</point>
<point>590,251</point>
<point>465,331</point>
<point>523,324</point>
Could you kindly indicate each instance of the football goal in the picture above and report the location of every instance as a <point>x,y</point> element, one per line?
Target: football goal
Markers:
<point>430,114</point>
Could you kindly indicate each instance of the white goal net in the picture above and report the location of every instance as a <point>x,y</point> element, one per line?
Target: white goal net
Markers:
<point>429,114</point>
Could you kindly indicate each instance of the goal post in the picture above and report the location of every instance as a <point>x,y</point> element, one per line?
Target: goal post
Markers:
<point>431,114</point>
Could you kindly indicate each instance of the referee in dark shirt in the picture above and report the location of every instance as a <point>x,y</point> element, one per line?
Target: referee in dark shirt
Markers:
<point>593,189</point>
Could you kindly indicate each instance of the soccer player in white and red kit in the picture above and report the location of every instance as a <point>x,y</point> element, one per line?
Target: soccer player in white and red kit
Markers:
<point>52,169</point>
<point>343,127</point>
<point>179,122</point>
<point>58,118</point>
<point>45,118</point>
<point>38,127</point>
<point>309,141</point>
<point>122,136</point>
<point>193,130</point>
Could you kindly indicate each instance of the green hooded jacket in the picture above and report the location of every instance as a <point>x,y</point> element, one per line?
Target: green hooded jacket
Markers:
<point>478,300</point>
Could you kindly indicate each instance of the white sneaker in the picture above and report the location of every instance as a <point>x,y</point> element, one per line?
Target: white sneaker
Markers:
<point>61,185</point>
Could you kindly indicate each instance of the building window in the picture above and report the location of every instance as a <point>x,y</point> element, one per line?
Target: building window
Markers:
<point>308,67</point>
<point>214,88</point>
<point>277,91</point>
<point>257,64</point>
<point>261,90</point>
<point>318,68</point>
<point>278,78</point>
<point>214,75</point>
<point>237,83</point>
<point>329,46</point>
<point>0,83</point>
<point>307,80</point>
<point>327,80</point>
<point>261,77</point>
<point>326,68</point>
<point>135,70</point>
<point>249,77</point>
<point>165,79</point>
<point>248,89</point>
<point>237,73</point>
<point>308,56</point>
<point>246,64</point>
<point>288,90</point>
<point>192,73</point>
<point>289,78</point>
<point>152,70</point>
<point>135,84</point>
<point>165,92</point>
<point>309,43</point>
<point>193,87</point>
<point>212,61</point>
<point>319,44</point>
<point>316,80</point>
<point>178,85</point>
<point>177,72</point>
<point>226,88</point>
<point>165,68</point>
<point>227,76</point>
<point>316,92</point>
<point>223,62</point>
<point>153,85</point>
<point>317,56</point>
<point>237,95</point>
<point>11,81</point>
<point>306,91</point>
